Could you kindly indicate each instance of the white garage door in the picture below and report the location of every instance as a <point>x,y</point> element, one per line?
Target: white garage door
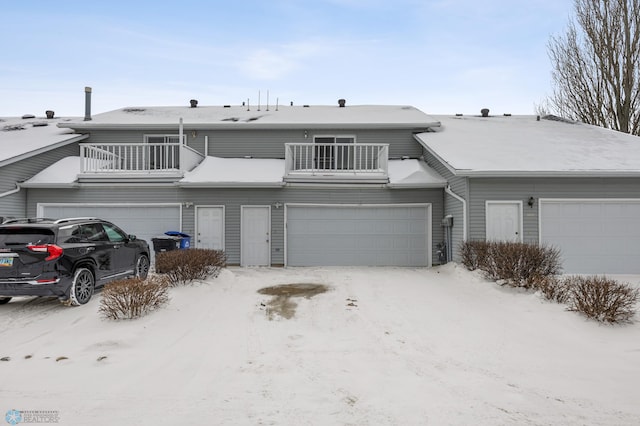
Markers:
<point>144,221</point>
<point>594,236</point>
<point>366,235</point>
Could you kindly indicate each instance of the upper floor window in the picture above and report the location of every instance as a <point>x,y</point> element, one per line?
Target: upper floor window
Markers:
<point>163,151</point>
<point>334,152</point>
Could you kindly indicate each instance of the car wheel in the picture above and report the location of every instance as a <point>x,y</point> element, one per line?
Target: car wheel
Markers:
<point>4,300</point>
<point>82,287</point>
<point>142,267</point>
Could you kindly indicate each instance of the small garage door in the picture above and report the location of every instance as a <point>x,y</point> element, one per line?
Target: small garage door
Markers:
<point>358,235</point>
<point>144,221</point>
<point>594,236</point>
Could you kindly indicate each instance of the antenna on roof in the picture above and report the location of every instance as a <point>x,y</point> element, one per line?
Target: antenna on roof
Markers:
<point>258,100</point>
<point>277,99</point>
<point>248,109</point>
<point>267,100</point>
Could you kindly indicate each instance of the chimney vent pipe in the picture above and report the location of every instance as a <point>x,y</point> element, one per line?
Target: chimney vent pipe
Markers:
<point>87,104</point>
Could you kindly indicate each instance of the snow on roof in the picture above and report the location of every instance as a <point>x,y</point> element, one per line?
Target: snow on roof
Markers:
<point>216,170</point>
<point>522,145</point>
<point>414,173</point>
<point>61,173</point>
<point>242,117</point>
<point>249,172</point>
<point>21,136</point>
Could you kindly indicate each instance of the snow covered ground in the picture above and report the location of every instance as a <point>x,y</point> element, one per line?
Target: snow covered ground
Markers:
<point>383,346</point>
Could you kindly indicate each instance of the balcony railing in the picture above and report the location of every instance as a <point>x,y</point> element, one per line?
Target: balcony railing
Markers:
<point>336,161</point>
<point>137,158</point>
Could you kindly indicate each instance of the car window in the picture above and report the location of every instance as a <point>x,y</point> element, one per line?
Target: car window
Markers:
<point>92,232</point>
<point>69,234</point>
<point>114,233</point>
<point>21,235</point>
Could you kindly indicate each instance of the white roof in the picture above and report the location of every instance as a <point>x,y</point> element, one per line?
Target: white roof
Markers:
<point>20,137</point>
<point>241,117</point>
<point>247,172</point>
<point>523,146</point>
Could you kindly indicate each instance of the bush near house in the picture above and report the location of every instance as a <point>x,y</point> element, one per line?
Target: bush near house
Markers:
<point>517,264</point>
<point>185,266</point>
<point>132,298</point>
<point>538,267</point>
<point>602,299</point>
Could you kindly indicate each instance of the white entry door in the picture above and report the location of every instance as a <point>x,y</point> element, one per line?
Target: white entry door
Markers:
<point>504,221</point>
<point>255,236</point>
<point>210,227</point>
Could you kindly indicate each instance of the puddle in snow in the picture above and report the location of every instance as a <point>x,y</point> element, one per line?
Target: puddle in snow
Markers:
<point>281,304</point>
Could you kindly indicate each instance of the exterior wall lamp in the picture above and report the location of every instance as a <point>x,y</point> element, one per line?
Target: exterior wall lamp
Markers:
<point>531,201</point>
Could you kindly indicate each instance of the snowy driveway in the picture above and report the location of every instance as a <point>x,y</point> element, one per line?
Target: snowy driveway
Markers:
<point>383,346</point>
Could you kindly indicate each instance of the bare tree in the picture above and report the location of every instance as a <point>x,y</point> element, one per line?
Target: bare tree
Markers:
<point>596,74</point>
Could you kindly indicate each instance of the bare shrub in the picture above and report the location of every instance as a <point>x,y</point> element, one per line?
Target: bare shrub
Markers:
<point>602,299</point>
<point>185,266</point>
<point>132,298</point>
<point>474,254</point>
<point>517,264</point>
<point>554,288</point>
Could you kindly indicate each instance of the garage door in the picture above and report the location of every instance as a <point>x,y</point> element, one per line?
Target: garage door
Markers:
<point>145,221</point>
<point>358,235</point>
<point>594,236</point>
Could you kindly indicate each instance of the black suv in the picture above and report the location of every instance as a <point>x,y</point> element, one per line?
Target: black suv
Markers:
<point>66,258</point>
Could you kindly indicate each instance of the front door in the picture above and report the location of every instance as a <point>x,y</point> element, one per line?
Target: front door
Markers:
<point>504,221</point>
<point>255,236</point>
<point>210,227</point>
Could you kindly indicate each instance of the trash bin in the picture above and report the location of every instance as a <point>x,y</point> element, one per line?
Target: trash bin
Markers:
<point>184,239</point>
<point>165,243</point>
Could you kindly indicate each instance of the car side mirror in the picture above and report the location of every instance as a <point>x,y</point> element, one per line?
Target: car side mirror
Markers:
<point>132,237</point>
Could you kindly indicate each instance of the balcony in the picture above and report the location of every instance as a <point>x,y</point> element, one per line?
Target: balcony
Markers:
<point>156,160</point>
<point>336,162</point>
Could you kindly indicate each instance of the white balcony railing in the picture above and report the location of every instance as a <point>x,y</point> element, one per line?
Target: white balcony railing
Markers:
<point>137,158</point>
<point>336,160</point>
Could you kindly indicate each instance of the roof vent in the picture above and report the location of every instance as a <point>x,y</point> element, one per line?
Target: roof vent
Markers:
<point>484,112</point>
<point>28,116</point>
<point>305,106</point>
<point>49,113</point>
<point>194,103</point>
<point>341,103</point>
<point>229,106</point>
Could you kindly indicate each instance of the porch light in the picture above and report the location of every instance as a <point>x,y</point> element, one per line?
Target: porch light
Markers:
<point>277,204</point>
<point>531,201</point>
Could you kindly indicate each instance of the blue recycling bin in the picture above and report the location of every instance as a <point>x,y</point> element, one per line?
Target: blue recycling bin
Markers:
<point>185,239</point>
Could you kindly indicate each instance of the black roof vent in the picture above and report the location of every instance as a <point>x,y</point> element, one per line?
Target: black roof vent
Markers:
<point>341,103</point>
<point>484,112</point>
<point>194,103</point>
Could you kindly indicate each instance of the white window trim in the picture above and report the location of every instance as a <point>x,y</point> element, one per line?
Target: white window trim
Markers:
<point>165,136</point>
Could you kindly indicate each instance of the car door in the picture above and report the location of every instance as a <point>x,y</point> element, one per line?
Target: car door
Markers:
<point>124,252</point>
<point>92,235</point>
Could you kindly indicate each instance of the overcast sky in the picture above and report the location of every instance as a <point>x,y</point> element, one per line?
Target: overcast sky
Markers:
<point>442,56</point>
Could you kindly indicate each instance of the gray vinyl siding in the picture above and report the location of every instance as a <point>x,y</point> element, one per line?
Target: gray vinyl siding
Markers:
<point>233,199</point>
<point>452,206</point>
<point>265,143</point>
<point>520,189</point>
<point>14,204</point>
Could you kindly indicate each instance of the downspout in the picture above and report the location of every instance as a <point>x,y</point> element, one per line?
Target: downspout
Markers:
<point>206,146</point>
<point>180,136</point>
<point>13,191</point>
<point>448,190</point>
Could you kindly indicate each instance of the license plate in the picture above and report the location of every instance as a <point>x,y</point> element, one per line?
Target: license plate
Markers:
<point>6,262</point>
